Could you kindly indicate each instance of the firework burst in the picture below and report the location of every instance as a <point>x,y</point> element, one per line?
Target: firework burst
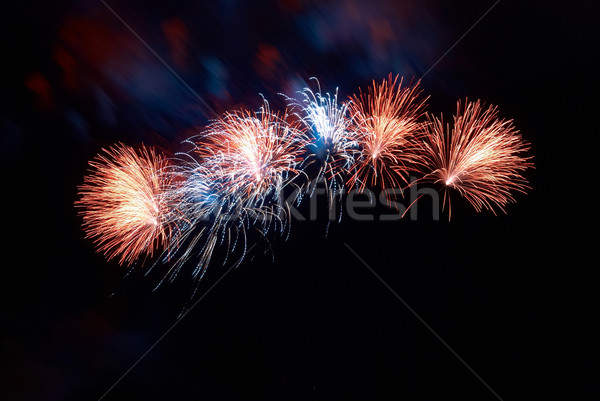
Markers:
<point>387,119</point>
<point>481,157</point>
<point>122,202</point>
<point>333,144</point>
<point>255,155</point>
<point>194,200</point>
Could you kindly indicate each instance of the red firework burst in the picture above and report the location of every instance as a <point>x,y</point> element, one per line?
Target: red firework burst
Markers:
<point>253,153</point>
<point>481,156</point>
<point>123,209</point>
<point>386,118</point>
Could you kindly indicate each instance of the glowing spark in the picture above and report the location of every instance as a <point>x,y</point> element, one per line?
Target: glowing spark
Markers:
<point>256,154</point>
<point>386,117</point>
<point>334,143</point>
<point>480,157</point>
<point>123,208</point>
<point>196,199</point>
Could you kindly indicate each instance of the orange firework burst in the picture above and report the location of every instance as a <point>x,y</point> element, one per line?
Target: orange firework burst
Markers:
<point>386,118</point>
<point>254,153</point>
<point>480,157</point>
<point>122,203</point>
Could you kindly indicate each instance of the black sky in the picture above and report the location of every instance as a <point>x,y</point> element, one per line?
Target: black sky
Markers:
<point>513,295</point>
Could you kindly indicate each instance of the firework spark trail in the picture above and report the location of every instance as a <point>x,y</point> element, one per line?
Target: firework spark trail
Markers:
<point>256,155</point>
<point>387,119</point>
<point>194,200</point>
<point>230,181</point>
<point>334,140</point>
<point>123,206</point>
<point>480,157</point>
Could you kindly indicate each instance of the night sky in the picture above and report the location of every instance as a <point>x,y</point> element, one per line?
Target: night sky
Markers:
<point>513,295</point>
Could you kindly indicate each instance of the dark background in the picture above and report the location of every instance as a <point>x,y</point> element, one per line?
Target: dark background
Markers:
<point>513,294</point>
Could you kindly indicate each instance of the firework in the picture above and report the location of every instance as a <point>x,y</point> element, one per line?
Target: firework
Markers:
<point>481,157</point>
<point>235,177</point>
<point>255,155</point>
<point>334,142</point>
<point>122,203</point>
<point>387,120</point>
<point>232,179</point>
<point>192,198</point>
